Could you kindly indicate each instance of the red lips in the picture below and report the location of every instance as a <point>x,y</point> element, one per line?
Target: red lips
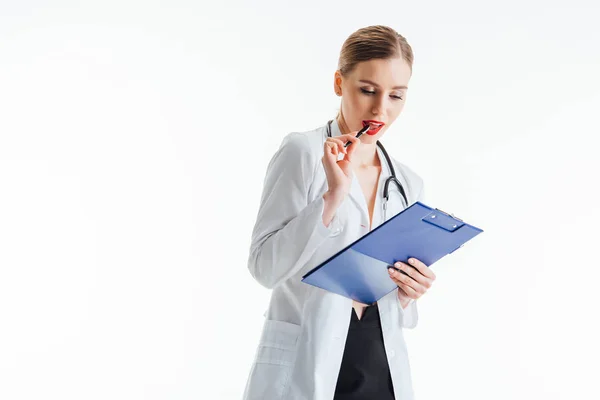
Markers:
<point>375,126</point>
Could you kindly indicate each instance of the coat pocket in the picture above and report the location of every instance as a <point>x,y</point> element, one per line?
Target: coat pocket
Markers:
<point>278,343</point>
<point>275,357</point>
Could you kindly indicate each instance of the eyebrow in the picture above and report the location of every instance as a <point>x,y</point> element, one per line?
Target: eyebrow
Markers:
<point>374,84</point>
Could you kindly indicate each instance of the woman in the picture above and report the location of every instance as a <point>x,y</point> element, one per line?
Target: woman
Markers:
<point>316,344</point>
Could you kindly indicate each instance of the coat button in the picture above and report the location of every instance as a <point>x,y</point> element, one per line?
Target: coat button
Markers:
<point>392,353</point>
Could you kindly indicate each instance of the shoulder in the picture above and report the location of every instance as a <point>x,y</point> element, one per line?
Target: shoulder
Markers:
<point>303,145</point>
<point>299,152</point>
<point>305,141</point>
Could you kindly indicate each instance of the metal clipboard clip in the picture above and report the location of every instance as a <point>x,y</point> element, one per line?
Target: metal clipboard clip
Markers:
<point>443,220</point>
<point>451,215</point>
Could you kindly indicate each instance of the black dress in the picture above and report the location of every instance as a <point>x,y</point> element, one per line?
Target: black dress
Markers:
<point>365,373</point>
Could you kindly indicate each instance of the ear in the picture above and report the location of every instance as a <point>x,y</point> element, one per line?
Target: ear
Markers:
<point>337,83</point>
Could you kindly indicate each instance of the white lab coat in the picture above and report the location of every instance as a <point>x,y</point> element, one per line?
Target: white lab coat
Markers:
<point>302,342</point>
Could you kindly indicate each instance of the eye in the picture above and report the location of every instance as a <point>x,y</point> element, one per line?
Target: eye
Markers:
<point>369,93</point>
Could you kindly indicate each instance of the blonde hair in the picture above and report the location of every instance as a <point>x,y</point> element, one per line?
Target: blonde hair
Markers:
<point>373,42</point>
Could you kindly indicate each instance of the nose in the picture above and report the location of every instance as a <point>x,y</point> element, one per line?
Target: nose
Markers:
<point>378,107</point>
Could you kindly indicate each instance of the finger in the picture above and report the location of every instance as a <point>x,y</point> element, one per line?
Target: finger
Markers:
<point>410,292</point>
<point>422,268</point>
<point>350,155</point>
<point>350,137</point>
<point>339,143</point>
<point>329,158</point>
<point>329,161</point>
<point>414,274</point>
<point>407,281</point>
<point>354,142</point>
<point>407,288</point>
<point>333,148</point>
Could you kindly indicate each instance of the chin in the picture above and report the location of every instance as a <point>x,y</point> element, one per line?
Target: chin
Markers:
<point>375,137</point>
<point>369,139</point>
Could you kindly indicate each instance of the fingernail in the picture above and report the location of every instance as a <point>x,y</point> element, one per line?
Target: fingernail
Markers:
<point>412,261</point>
<point>398,264</point>
<point>391,271</point>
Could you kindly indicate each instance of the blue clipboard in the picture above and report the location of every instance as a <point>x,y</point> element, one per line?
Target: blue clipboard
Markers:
<point>360,271</point>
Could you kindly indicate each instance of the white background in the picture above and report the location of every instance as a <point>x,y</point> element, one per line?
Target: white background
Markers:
<point>134,139</point>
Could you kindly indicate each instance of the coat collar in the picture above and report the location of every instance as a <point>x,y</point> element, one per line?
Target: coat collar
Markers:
<point>356,193</point>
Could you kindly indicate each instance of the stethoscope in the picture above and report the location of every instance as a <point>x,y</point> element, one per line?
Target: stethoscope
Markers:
<point>386,194</point>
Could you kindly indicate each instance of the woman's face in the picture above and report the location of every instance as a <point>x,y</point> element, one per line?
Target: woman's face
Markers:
<point>374,91</point>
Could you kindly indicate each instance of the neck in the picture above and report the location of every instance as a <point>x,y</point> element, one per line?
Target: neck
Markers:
<point>366,154</point>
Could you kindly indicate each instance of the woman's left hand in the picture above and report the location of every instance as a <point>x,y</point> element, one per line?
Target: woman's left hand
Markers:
<point>419,280</point>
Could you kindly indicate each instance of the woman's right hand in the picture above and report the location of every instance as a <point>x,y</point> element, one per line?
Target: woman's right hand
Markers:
<point>339,173</point>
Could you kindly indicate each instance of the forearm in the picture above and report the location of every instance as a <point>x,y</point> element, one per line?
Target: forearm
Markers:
<point>332,203</point>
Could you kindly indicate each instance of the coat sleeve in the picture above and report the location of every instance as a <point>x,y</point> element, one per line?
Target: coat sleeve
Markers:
<point>288,227</point>
<point>410,314</point>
